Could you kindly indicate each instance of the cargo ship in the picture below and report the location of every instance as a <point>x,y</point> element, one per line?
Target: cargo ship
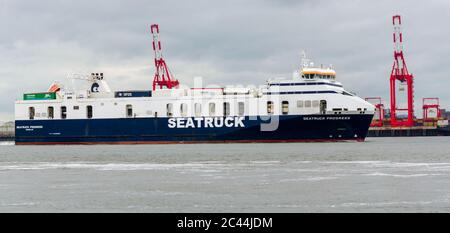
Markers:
<point>311,106</point>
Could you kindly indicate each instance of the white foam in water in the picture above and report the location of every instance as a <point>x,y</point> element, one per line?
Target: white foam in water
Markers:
<point>400,175</point>
<point>7,143</point>
<point>19,204</point>
<point>440,168</point>
<point>362,204</point>
<point>404,164</point>
<point>209,162</point>
<point>317,178</point>
<point>390,164</point>
<point>103,167</point>
<point>356,162</point>
<point>266,162</point>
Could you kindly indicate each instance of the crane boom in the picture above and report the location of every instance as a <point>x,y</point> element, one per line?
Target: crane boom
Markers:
<point>162,76</point>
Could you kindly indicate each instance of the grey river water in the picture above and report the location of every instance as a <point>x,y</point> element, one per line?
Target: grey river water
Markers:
<point>379,175</point>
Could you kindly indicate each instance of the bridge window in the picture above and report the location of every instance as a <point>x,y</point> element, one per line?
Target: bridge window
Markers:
<point>226,109</point>
<point>198,109</point>
<point>89,111</point>
<point>269,107</point>
<point>63,112</point>
<point>285,107</point>
<point>31,113</point>
<point>299,103</point>
<point>241,108</point>
<point>212,109</point>
<point>76,107</point>
<point>129,110</point>
<point>169,108</point>
<point>183,109</point>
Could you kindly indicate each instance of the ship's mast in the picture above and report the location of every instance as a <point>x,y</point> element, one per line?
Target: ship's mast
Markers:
<point>305,61</point>
<point>162,74</point>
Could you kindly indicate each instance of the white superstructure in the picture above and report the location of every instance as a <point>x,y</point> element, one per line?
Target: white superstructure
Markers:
<point>315,92</point>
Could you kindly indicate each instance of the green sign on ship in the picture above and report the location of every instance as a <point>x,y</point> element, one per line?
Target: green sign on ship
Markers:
<point>40,96</point>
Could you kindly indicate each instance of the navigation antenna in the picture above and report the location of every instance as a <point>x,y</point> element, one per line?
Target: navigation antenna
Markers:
<point>305,60</point>
<point>400,73</point>
<point>162,74</point>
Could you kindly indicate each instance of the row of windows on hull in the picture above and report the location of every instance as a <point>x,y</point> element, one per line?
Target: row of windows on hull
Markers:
<point>197,109</point>
<point>51,112</point>
<point>241,108</point>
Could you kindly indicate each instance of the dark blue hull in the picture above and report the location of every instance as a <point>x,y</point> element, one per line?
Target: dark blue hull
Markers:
<point>160,130</point>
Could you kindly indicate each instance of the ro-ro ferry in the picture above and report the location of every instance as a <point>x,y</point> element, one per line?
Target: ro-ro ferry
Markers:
<point>311,106</point>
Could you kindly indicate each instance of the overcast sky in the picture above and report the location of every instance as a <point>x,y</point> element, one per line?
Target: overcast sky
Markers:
<point>225,42</point>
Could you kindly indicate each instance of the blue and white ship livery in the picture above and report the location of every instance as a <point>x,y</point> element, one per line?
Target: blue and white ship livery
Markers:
<point>312,106</point>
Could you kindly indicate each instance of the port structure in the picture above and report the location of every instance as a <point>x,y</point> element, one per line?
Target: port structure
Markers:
<point>400,74</point>
<point>378,118</point>
<point>429,105</point>
<point>163,78</point>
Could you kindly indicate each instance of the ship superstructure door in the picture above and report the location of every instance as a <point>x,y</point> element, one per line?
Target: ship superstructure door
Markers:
<point>323,106</point>
<point>31,113</point>
<point>129,110</point>
<point>50,112</point>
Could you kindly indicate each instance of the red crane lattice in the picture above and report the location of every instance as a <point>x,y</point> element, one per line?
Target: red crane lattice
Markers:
<point>400,73</point>
<point>378,117</point>
<point>162,74</point>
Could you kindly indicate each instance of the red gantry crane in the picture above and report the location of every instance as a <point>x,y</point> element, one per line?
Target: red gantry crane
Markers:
<point>400,73</point>
<point>430,105</point>
<point>378,117</point>
<point>162,78</point>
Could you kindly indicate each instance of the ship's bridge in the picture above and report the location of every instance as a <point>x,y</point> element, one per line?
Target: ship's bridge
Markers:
<point>318,73</point>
